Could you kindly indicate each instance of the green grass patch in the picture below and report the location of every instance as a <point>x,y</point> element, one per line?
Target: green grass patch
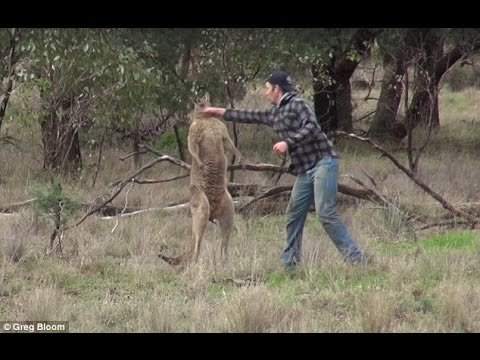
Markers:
<point>463,241</point>
<point>466,241</point>
<point>280,280</point>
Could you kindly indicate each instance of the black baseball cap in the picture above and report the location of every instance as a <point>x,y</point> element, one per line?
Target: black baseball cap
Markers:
<point>282,79</point>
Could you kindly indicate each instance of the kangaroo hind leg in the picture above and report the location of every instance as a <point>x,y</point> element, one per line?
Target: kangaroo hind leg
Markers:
<point>225,218</point>
<point>200,210</point>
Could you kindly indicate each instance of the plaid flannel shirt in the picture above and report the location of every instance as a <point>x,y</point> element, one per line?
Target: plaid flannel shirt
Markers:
<point>295,123</point>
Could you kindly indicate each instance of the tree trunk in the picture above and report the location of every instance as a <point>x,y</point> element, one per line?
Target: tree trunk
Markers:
<point>137,159</point>
<point>61,143</point>
<point>331,85</point>
<point>179,143</point>
<point>4,98</point>
<point>9,74</point>
<point>333,95</point>
<point>344,101</point>
<point>324,97</point>
<point>424,106</point>
<point>383,125</point>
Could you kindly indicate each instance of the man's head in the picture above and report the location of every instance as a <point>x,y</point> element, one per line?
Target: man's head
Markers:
<point>278,83</point>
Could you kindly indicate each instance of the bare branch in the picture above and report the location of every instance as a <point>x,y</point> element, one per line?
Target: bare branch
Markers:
<point>378,195</point>
<point>9,208</point>
<point>173,160</point>
<point>124,207</point>
<point>365,116</point>
<point>262,167</point>
<point>116,192</point>
<point>446,205</point>
<point>444,223</point>
<point>158,181</point>
<point>172,208</point>
<point>372,180</point>
<point>123,158</point>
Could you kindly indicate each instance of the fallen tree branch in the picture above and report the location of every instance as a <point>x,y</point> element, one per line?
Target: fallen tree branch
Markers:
<point>151,181</point>
<point>443,223</point>
<point>261,167</point>
<point>446,205</point>
<point>116,192</point>
<point>9,208</point>
<point>266,194</point>
<point>143,211</point>
<point>362,194</point>
<point>236,189</point>
<point>172,208</point>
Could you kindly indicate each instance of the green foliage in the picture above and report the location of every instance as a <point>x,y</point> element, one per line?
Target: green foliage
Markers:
<point>167,143</point>
<point>53,202</point>
<point>118,77</point>
<point>108,79</point>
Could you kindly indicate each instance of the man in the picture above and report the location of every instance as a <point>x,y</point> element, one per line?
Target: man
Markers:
<point>314,158</point>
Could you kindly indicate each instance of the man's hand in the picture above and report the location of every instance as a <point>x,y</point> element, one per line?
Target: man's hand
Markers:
<point>280,148</point>
<point>213,111</point>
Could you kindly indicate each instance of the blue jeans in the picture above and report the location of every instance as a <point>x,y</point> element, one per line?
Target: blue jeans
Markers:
<point>320,185</point>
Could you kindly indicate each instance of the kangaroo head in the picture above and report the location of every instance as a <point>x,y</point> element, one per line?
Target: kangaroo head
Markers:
<point>202,102</point>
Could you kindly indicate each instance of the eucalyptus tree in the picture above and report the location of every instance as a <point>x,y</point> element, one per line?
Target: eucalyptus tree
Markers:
<point>396,50</point>
<point>437,51</point>
<point>415,61</point>
<point>87,79</point>
<point>332,55</point>
<point>428,54</point>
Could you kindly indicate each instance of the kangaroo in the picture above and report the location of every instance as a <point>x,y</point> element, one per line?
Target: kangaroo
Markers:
<point>208,142</point>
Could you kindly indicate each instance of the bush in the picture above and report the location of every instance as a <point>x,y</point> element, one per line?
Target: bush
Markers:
<point>167,143</point>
